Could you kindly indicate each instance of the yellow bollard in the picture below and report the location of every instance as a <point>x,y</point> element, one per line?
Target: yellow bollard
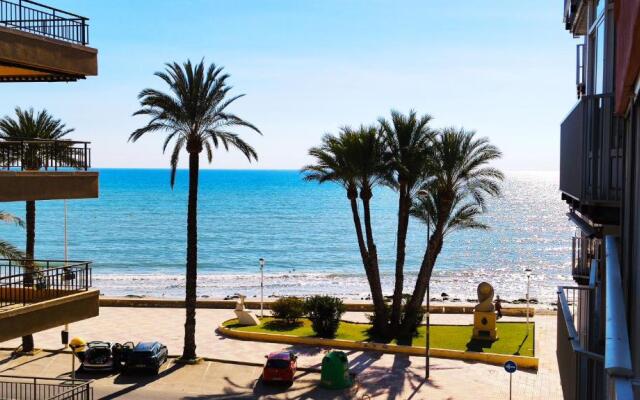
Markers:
<point>77,346</point>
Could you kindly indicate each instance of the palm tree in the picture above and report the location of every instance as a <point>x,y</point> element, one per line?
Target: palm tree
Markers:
<point>31,126</point>
<point>455,195</point>
<point>194,115</point>
<point>354,160</point>
<point>408,141</point>
<point>7,250</point>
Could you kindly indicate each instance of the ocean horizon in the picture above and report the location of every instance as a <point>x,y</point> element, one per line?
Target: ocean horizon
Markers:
<point>135,235</point>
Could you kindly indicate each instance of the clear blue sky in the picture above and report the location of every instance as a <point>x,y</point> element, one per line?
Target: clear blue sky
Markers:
<point>504,68</point>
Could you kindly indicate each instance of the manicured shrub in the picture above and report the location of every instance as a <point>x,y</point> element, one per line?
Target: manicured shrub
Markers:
<point>288,309</point>
<point>325,313</point>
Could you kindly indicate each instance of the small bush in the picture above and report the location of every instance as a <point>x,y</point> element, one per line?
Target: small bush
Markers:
<point>288,309</point>
<point>325,313</point>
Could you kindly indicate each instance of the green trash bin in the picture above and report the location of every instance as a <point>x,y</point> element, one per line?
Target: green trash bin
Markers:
<point>335,371</point>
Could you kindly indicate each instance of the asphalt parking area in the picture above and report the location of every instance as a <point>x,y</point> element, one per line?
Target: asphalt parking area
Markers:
<point>208,380</point>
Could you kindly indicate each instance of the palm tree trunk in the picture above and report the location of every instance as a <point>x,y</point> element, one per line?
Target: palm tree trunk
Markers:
<point>27,341</point>
<point>189,351</point>
<point>405,332</point>
<point>374,283</point>
<point>380,310</point>
<point>31,241</point>
<point>404,204</point>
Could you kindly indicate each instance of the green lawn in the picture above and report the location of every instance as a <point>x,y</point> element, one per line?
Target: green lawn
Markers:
<point>513,337</point>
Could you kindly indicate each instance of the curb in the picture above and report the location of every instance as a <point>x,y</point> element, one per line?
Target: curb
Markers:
<point>523,362</point>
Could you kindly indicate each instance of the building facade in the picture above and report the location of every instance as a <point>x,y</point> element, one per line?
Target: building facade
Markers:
<point>598,343</point>
<point>39,43</point>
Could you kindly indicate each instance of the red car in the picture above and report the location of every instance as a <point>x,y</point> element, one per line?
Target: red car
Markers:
<point>280,367</point>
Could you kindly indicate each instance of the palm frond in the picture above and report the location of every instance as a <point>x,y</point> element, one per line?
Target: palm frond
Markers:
<point>10,218</point>
<point>7,250</point>
<point>459,182</point>
<point>193,112</point>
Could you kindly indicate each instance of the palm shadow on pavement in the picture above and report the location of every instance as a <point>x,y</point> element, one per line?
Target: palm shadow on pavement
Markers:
<point>138,380</point>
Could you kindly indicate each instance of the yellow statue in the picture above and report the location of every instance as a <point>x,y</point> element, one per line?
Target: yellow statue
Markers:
<point>484,317</point>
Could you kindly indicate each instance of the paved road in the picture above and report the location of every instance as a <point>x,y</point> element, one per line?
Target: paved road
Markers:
<point>380,376</point>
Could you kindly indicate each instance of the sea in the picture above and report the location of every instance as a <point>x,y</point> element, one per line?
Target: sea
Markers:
<point>135,235</point>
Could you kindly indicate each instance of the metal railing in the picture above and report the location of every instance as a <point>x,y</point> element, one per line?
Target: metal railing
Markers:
<point>36,388</point>
<point>585,253</point>
<point>581,370</point>
<point>579,263</point>
<point>29,154</point>
<point>33,281</point>
<point>585,373</point>
<point>591,151</point>
<point>581,82</point>
<point>42,20</point>
<point>617,360</point>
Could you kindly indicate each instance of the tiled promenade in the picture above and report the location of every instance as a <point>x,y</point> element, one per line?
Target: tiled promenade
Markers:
<point>380,376</point>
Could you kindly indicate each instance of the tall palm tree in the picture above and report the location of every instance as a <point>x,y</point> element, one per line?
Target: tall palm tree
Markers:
<point>194,115</point>
<point>354,159</point>
<point>7,250</point>
<point>455,195</point>
<point>408,140</point>
<point>32,126</point>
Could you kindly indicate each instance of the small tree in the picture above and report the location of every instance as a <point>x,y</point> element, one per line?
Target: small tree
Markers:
<point>325,313</point>
<point>288,309</point>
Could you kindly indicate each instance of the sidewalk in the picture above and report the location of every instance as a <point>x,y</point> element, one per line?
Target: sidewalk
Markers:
<point>381,375</point>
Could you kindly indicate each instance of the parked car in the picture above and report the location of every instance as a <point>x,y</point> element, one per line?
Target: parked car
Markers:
<point>280,367</point>
<point>146,355</point>
<point>102,356</point>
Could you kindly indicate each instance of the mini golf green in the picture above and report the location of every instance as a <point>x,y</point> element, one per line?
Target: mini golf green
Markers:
<point>513,338</point>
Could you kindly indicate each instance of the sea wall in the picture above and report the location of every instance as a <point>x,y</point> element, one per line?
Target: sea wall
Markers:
<point>255,305</point>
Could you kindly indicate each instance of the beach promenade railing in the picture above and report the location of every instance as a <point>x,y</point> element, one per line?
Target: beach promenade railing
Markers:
<point>32,281</point>
<point>29,154</point>
<point>36,388</point>
<point>42,20</point>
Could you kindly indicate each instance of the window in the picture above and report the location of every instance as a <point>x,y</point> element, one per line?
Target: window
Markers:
<point>598,78</point>
<point>597,8</point>
<point>597,48</point>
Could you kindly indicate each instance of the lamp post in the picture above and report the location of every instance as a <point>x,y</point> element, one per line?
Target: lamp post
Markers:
<point>528,272</point>
<point>261,287</point>
<point>423,193</point>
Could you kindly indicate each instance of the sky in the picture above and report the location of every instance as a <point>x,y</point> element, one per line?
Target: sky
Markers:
<point>504,68</point>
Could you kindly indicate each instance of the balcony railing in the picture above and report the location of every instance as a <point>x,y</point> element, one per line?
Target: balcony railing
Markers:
<point>584,372</point>
<point>591,150</point>
<point>24,282</point>
<point>35,388</point>
<point>617,361</point>
<point>43,20</point>
<point>581,370</point>
<point>584,260</point>
<point>29,154</point>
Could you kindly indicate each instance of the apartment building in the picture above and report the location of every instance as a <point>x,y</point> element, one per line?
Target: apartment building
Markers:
<point>598,343</point>
<point>39,43</point>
